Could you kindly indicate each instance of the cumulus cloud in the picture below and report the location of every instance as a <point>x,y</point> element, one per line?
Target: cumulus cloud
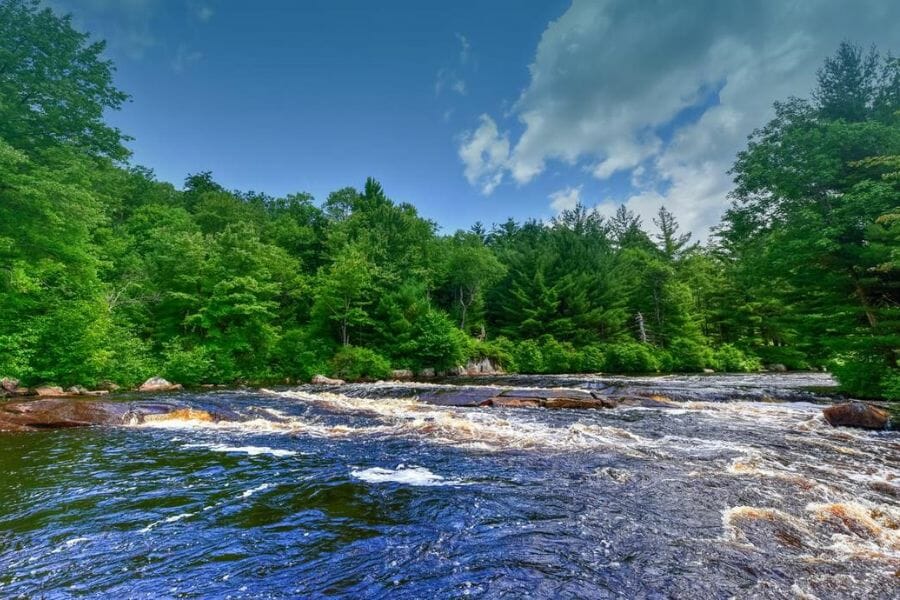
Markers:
<point>484,152</point>
<point>565,199</point>
<point>612,80</point>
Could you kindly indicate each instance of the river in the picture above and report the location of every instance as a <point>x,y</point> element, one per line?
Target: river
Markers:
<point>363,492</point>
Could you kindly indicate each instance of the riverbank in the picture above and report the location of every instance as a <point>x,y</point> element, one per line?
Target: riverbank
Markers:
<point>56,409</point>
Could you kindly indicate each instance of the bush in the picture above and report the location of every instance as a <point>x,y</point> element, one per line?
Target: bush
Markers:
<point>732,359</point>
<point>791,358</point>
<point>690,355</point>
<point>501,352</point>
<point>354,364</point>
<point>631,357</point>
<point>592,359</point>
<point>130,359</point>
<point>866,376</point>
<point>437,342</point>
<point>559,357</point>
<point>189,366</point>
<point>528,357</point>
<point>300,355</point>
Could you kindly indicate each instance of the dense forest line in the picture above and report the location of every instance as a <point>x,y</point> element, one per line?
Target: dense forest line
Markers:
<point>108,274</point>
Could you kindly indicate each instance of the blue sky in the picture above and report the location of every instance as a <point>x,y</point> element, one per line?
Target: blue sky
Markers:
<point>469,110</point>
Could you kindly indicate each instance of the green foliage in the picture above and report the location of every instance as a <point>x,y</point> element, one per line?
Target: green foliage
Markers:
<point>867,376</point>
<point>189,366</point>
<point>500,352</point>
<point>106,273</point>
<point>815,188</point>
<point>528,357</point>
<point>559,357</point>
<point>631,357</point>
<point>436,342</point>
<point>301,354</point>
<point>593,359</point>
<point>690,355</point>
<point>355,364</point>
<point>728,358</point>
<point>54,85</point>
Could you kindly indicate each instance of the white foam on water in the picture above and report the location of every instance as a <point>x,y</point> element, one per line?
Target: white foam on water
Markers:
<point>70,543</point>
<point>171,519</point>
<point>487,429</point>
<point>249,450</point>
<point>412,475</point>
<point>251,491</point>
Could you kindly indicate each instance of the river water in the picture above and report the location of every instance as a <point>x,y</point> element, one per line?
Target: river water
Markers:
<point>363,492</point>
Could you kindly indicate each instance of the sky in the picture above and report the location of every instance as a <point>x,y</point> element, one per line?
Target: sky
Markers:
<point>471,111</point>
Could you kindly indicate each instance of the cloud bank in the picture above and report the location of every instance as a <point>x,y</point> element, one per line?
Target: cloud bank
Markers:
<point>665,91</point>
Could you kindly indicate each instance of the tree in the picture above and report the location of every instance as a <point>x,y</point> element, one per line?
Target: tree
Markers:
<point>471,267</point>
<point>54,85</point>
<point>342,292</point>
<point>671,243</point>
<point>809,190</point>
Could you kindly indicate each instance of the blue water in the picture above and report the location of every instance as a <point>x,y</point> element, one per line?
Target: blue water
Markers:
<point>312,495</point>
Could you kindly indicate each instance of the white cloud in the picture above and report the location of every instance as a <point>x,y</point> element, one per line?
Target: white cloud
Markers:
<point>565,199</point>
<point>124,24</point>
<point>185,58</point>
<point>465,49</point>
<point>451,77</point>
<point>203,12</point>
<point>609,75</point>
<point>484,152</point>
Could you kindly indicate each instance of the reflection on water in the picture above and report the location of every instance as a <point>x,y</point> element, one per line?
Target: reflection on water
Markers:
<point>368,493</point>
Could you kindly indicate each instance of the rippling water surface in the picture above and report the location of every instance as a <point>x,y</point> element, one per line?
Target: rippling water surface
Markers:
<point>364,492</point>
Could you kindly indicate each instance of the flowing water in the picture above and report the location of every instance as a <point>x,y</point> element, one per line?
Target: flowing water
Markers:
<point>363,492</point>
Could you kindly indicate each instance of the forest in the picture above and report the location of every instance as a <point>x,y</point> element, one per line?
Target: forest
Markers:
<point>110,275</point>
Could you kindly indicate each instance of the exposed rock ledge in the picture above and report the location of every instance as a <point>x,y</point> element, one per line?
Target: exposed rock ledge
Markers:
<point>536,398</point>
<point>61,413</point>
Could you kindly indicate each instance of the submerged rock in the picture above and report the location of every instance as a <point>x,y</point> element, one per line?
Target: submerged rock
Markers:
<point>549,393</point>
<point>857,414</point>
<point>322,380</point>
<point>480,396</point>
<point>515,402</point>
<point>182,414</point>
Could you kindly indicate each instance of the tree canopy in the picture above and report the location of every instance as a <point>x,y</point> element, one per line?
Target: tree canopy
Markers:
<point>108,273</point>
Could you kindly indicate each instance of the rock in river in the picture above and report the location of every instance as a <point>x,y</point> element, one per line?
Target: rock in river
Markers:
<point>158,384</point>
<point>59,413</point>
<point>322,380</point>
<point>549,398</point>
<point>474,396</point>
<point>857,414</point>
